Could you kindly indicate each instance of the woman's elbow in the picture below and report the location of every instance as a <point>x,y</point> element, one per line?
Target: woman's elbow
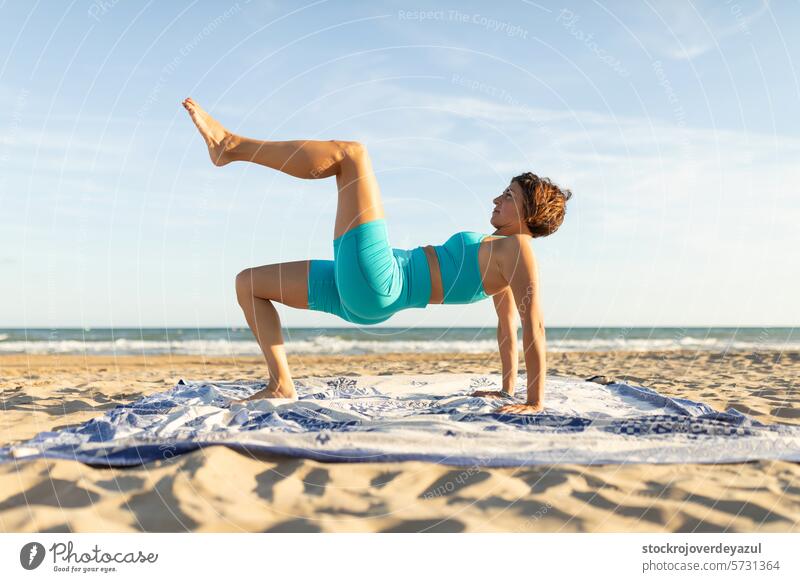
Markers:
<point>535,327</point>
<point>507,326</point>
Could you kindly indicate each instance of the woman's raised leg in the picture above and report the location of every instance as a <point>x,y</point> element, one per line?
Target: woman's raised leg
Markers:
<point>359,195</point>
<point>359,201</point>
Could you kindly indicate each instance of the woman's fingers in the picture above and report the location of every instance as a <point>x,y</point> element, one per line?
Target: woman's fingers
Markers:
<point>490,394</point>
<point>519,409</point>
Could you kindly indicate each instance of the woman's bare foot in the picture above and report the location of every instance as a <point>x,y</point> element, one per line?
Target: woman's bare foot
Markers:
<point>217,138</point>
<point>273,390</point>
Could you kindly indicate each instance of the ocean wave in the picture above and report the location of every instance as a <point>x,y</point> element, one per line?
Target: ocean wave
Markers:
<point>334,344</point>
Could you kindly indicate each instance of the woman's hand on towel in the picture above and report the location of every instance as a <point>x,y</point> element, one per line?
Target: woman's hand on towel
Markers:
<point>492,394</point>
<point>527,408</point>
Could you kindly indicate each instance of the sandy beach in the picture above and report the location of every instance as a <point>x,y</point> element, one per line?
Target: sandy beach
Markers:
<point>216,489</point>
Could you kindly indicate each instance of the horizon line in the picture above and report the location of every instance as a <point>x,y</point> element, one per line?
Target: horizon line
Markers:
<point>401,327</point>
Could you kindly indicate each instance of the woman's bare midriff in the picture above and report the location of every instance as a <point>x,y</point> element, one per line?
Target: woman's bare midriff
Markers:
<point>437,291</point>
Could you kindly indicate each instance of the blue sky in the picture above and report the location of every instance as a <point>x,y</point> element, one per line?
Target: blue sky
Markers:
<point>674,124</point>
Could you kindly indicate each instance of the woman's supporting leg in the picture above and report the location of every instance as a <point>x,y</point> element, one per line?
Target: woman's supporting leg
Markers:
<point>256,288</point>
<point>359,195</point>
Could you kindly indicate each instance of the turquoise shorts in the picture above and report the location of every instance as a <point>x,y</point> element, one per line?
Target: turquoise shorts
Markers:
<point>368,281</point>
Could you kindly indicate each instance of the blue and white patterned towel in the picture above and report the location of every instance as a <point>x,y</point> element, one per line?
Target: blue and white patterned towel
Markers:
<point>419,417</point>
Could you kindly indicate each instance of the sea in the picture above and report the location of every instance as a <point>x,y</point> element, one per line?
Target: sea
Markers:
<point>213,341</point>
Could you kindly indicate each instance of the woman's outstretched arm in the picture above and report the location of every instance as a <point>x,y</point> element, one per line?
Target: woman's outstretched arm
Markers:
<point>523,278</point>
<point>506,343</point>
<point>507,338</point>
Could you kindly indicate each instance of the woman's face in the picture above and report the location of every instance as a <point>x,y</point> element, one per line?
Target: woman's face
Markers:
<point>509,208</point>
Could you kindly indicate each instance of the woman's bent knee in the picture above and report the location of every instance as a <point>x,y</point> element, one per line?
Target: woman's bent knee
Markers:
<point>350,150</point>
<point>244,283</point>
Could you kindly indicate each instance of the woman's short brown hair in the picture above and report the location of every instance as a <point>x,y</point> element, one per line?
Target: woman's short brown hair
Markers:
<point>545,203</point>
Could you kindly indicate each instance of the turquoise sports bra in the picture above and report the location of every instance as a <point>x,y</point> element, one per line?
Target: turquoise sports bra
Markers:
<point>458,263</point>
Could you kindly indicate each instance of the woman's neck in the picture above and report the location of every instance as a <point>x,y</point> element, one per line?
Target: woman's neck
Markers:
<point>508,231</point>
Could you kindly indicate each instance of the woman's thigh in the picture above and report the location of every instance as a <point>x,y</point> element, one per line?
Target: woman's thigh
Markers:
<point>365,262</point>
<point>323,295</point>
<point>309,284</point>
<point>359,196</point>
<point>283,282</point>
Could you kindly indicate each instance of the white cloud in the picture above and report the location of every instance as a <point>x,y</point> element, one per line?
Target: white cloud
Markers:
<point>687,29</point>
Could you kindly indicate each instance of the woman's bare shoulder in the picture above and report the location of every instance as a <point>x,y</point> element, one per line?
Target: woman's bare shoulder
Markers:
<point>511,245</point>
<point>503,257</point>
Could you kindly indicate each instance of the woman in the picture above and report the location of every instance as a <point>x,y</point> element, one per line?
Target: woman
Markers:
<point>368,281</point>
